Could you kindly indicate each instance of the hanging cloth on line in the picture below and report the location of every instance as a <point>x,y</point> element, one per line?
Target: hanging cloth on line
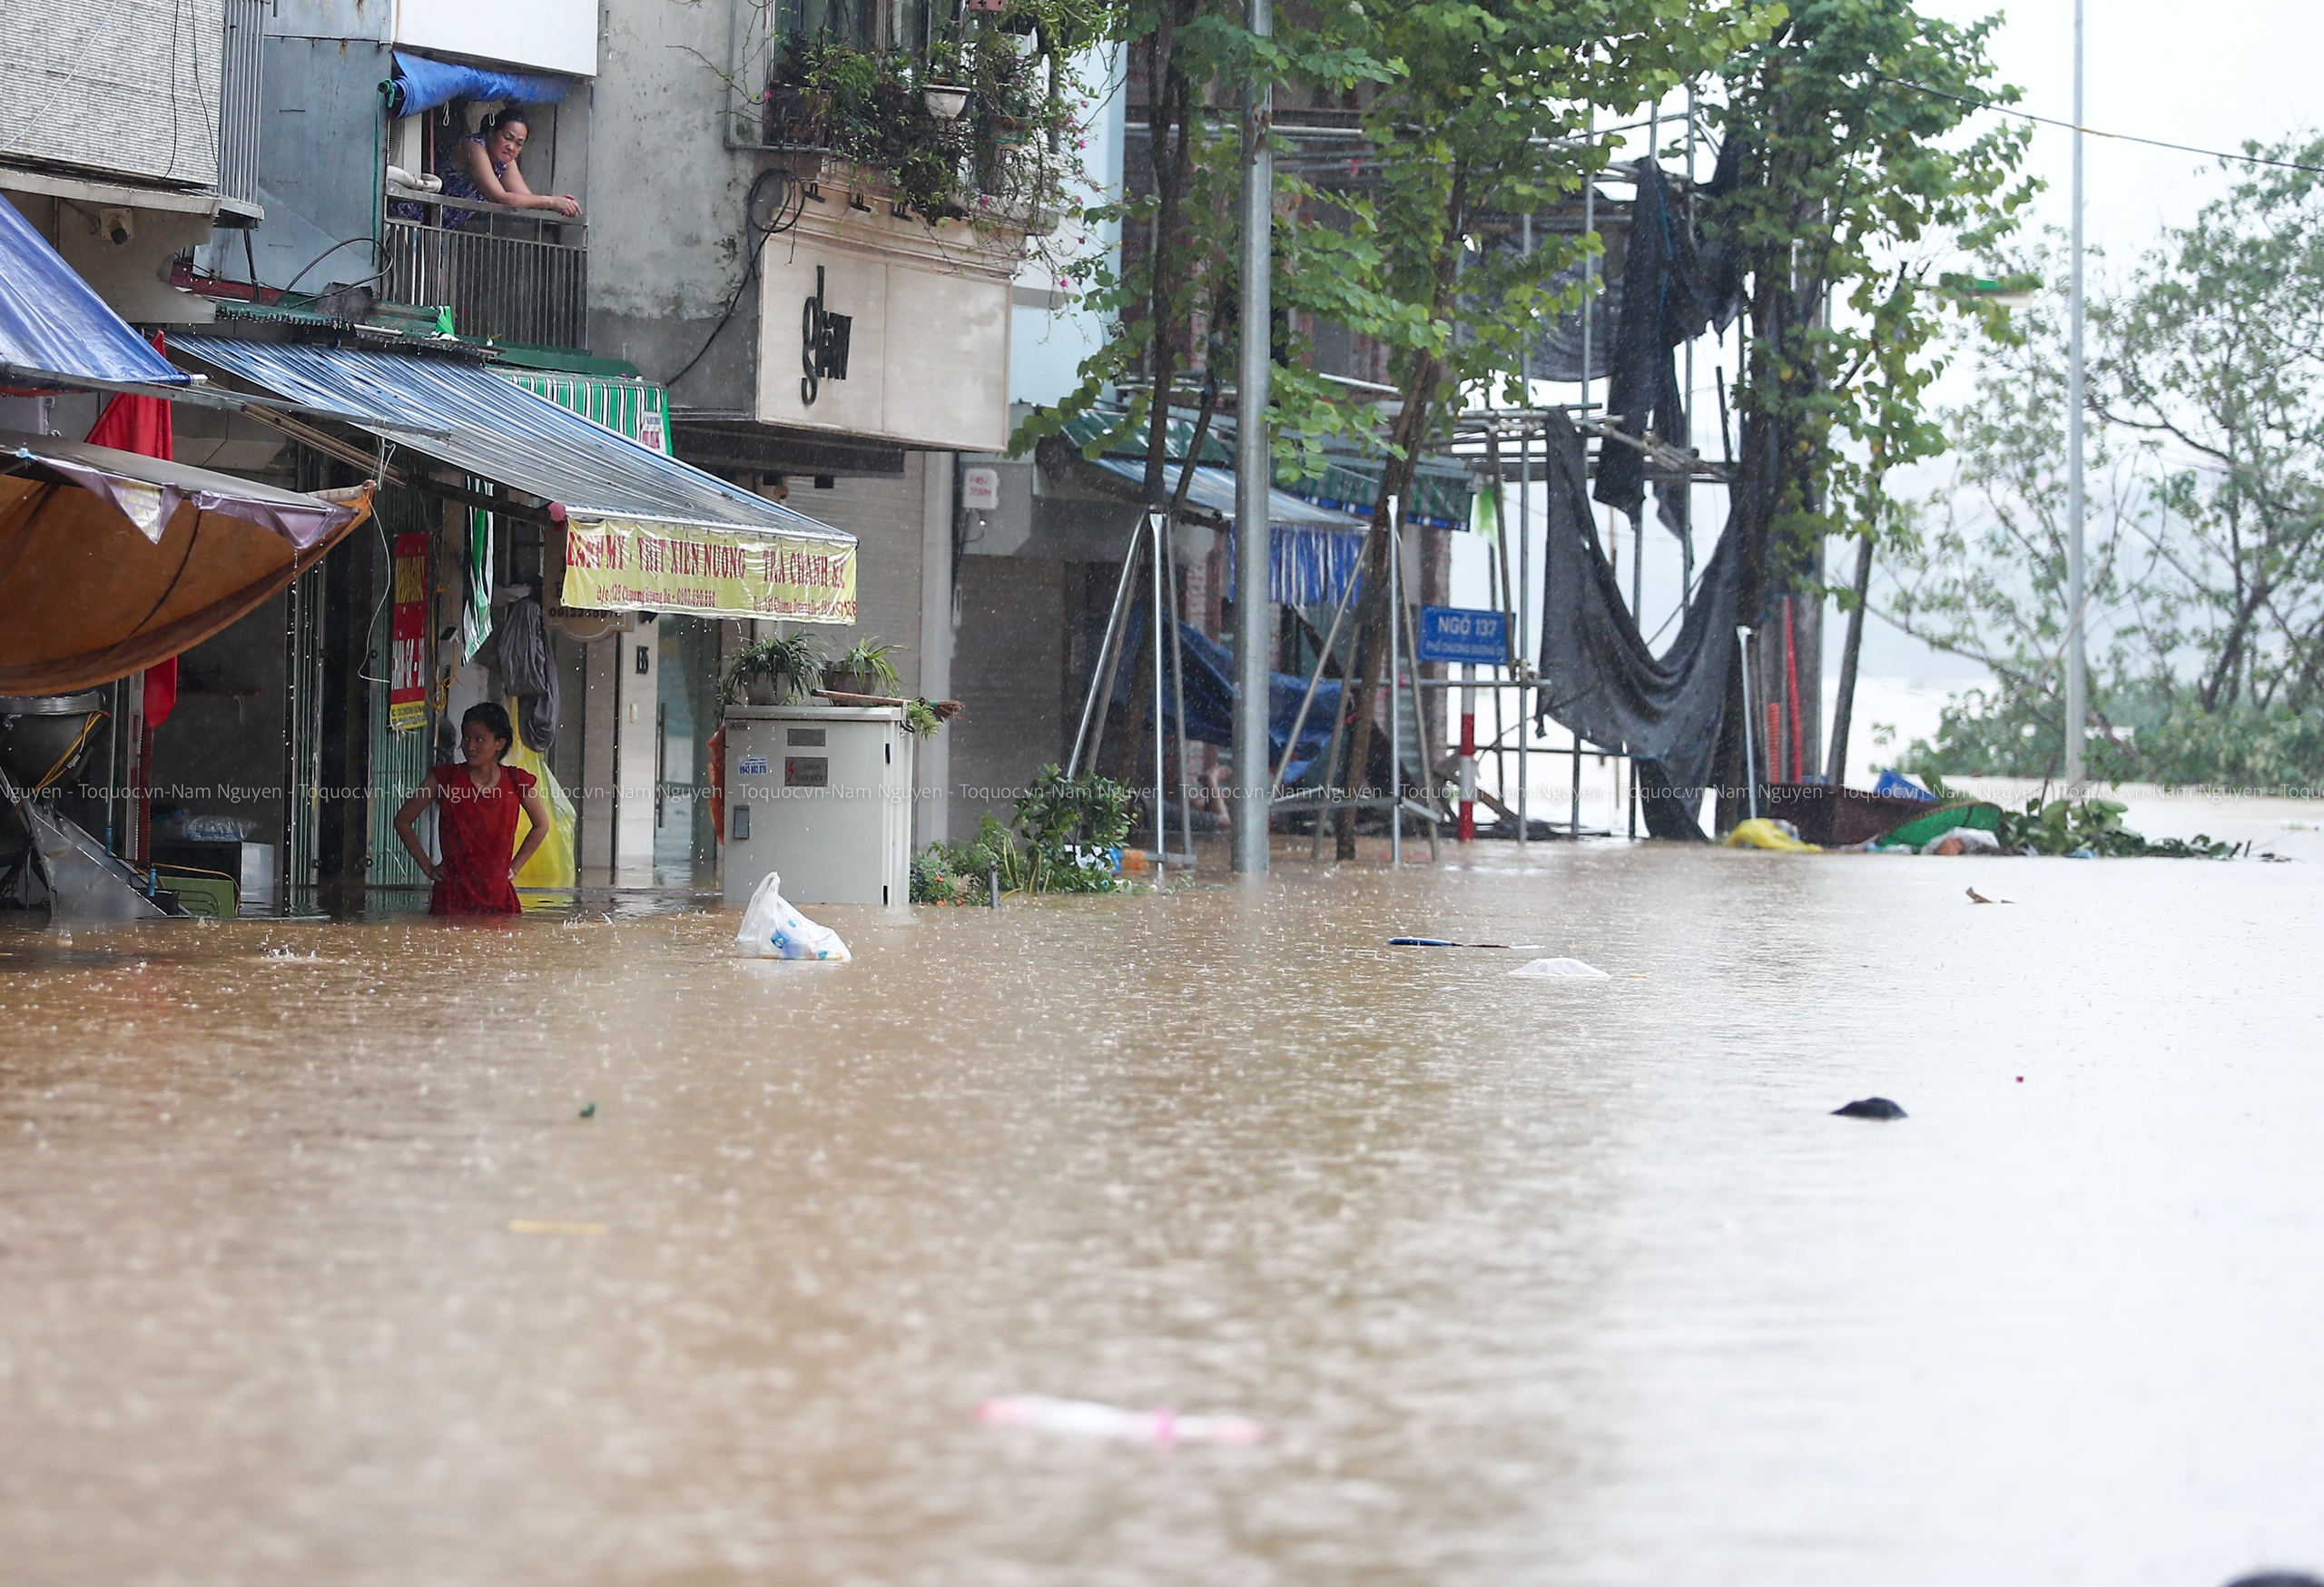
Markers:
<point>1602,682</point>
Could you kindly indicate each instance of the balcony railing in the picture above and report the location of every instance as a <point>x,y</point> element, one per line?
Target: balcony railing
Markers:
<point>509,275</point>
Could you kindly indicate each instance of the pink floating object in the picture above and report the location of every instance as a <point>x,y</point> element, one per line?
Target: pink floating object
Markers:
<point>1088,1419</point>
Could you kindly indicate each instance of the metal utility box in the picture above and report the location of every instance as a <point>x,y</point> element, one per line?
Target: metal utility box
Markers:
<point>822,794</point>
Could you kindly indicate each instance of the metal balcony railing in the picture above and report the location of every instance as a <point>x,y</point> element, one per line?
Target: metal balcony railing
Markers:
<point>239,112</point>
<point>509,275</point>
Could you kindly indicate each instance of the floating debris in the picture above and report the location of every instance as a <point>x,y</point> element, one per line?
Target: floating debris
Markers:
<point>1089,1419</point>
<point>1559,970</point>
<point>1447,942</point>
<point>1869,1108</point>
<point>588,1109</point>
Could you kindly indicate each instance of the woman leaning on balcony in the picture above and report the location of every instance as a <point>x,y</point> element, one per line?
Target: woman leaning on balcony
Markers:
<point>483,166</point>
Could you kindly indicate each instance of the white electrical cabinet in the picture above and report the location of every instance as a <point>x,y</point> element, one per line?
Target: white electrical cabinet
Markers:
<point>822,794</point>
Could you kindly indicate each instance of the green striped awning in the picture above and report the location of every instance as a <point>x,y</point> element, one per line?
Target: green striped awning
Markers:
<point>639,409</point>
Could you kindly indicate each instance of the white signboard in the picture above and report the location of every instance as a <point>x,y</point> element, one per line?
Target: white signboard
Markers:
<point>897,349</point>
<point>980,489</point>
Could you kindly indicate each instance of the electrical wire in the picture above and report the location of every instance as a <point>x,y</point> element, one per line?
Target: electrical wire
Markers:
<point>327,252</point>
<point>787,208</point>
<point>2098,132</point>
<point>73,749</point>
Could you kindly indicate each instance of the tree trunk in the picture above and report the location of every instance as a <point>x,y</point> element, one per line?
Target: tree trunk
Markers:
<point>1844,700</point>
<point>1395,485</point>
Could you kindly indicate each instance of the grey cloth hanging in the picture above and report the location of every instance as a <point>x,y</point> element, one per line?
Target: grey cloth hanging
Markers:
<point>1602,682</point>
<point>521,661</point>
<point>1667,300</point>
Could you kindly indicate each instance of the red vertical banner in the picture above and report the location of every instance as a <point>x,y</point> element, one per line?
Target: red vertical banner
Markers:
<point>408,635</point>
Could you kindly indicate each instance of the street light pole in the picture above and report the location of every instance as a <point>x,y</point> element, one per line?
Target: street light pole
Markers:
<point>2077,681</point>
<point>1253,470</point>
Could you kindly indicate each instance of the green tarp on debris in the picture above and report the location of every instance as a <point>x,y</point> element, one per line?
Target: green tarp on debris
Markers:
<point>1937,822</point>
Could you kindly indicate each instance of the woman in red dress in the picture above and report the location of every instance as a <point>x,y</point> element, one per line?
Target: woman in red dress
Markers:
<point>475,821</point>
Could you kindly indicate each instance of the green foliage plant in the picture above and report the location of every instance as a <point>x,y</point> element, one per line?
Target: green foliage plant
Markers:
<point>793,662</point>
<point>867,658</point>
<point>1065,828</point>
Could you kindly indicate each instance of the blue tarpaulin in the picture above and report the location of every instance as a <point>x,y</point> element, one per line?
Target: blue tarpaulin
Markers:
<point>1210,696</point>
<point>51,320</point>
<point>421,83</point>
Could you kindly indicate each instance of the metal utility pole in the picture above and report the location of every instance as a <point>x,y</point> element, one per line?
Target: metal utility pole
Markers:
<point>1254,469</point>
<point>2077,681</point>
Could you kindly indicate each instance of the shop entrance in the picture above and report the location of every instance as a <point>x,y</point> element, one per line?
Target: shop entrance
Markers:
<point>686,849</point>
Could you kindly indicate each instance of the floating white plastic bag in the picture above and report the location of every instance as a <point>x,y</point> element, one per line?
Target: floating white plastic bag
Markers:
<point>1559,970</point>
<point>771,929</point>
<point>1088,1419</point>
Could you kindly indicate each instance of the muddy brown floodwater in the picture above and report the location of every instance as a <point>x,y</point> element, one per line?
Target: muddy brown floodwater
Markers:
<point>311,1272</point>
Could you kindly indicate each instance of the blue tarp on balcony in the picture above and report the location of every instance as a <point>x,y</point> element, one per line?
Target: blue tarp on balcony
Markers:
<point>421,84</point>
<point>52,322</point>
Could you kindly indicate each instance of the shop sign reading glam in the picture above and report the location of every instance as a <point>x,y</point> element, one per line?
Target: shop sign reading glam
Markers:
<point>613,565</point>
<point>824,337</point>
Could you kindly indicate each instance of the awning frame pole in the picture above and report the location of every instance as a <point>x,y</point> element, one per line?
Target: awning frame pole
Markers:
<point>1427,745</point>
<point>1169,542</point>
<point>1101,671</point>
<point>1395,674</point>
<point>1161,823</point>
<point>1314,682</point>
<point>1751,762</point>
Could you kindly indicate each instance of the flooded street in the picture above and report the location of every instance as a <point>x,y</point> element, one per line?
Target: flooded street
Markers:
<point>315,1273</point>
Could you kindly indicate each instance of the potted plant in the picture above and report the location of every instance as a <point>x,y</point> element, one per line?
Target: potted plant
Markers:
<point>943,85</point>
<point>772,671</point>
<point>864,668</point>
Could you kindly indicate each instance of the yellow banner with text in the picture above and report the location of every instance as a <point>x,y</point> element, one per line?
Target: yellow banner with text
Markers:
<point>617,566</point>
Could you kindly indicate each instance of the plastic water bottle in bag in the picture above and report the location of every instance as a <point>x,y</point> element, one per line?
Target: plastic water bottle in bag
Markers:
<point>771,929</point>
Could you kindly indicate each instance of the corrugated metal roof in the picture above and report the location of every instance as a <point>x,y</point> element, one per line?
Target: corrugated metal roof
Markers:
<point>1441,485</point>
<point>1214,489</point>
<point>502,432</point>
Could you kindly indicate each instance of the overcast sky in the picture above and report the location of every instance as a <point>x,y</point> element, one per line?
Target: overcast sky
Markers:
<point>2213,77</point>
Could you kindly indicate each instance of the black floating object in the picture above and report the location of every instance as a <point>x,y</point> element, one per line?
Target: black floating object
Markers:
<point>588,1109</point>
<point>1869,1108</point>
<point>2276,1579</point>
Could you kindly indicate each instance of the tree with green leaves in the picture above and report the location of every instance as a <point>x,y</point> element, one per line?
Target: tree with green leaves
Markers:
<point>1853,174</point>
<point>1487,118</point>
<point>2208,401</point>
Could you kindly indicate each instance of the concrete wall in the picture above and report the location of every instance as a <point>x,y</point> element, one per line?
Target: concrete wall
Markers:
<point>903,530</point>
<point>615,797</point>
<point>1010,671</point>
<point>666,222</point>
<point>126,275</point>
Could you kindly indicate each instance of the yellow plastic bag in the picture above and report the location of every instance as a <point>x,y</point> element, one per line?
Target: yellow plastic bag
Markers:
<point>552,865</point>
<point>1759,832</point>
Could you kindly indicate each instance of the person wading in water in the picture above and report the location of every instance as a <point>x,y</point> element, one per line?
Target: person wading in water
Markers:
<point>475,821</point>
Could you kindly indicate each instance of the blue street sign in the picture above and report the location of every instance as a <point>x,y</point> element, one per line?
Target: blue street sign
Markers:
<point>1461,633</point>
